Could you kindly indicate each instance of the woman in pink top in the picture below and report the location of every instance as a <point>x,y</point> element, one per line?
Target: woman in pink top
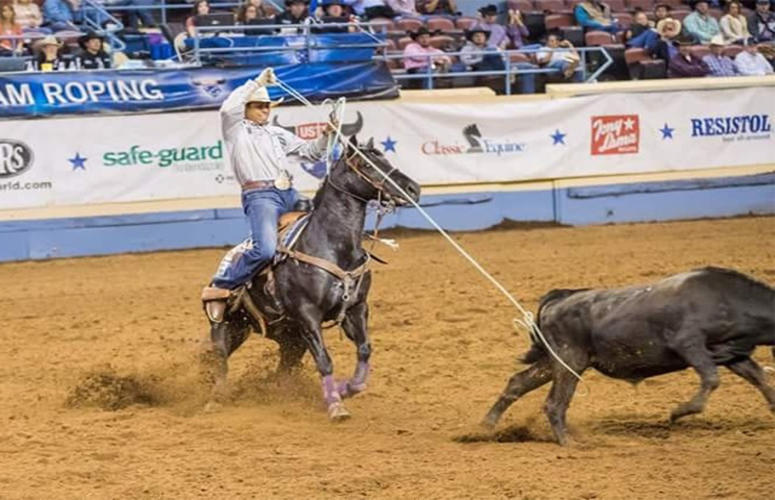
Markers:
<point>8,27</point>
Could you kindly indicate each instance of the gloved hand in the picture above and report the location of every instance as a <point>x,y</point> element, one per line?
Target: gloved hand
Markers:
<point>266,77</point>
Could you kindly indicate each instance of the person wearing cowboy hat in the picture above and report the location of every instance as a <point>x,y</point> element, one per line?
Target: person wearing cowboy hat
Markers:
<point>258,154</point>
<point>472,53</point>
<point>333,13</point>
<point>751,62</point>
<point>700,23</point>
<point>296,12</point>
<point>92,55</point>
<point>47,58</point>
<point>685,64</point>
<point>718,63</point>
<point>419,54</point>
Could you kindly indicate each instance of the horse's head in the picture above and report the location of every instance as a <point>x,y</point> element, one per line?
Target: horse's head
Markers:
<point>359,177</point>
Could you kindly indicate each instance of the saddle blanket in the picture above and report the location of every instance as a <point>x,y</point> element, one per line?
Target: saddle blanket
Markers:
<point>287,239</point>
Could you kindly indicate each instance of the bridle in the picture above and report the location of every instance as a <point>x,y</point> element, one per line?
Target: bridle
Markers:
<point>379,186</point>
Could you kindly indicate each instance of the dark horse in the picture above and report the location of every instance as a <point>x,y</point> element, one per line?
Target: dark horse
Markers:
<point>305,294</point>
<point>701,319</point>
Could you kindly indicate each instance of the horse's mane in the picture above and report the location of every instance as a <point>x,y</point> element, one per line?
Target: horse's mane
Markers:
<point>316,199</point>
<point>737,276</point>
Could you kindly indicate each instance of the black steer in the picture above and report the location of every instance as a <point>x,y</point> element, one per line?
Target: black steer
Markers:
<point>702,318</point>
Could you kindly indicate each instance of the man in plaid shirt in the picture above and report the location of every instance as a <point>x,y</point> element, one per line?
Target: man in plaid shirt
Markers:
<point>719,64</point>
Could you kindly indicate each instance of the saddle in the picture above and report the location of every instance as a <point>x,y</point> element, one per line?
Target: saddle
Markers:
<point>215,300</point>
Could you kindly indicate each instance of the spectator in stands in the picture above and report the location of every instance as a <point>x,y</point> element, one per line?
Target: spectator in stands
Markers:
<point>263,11</point>
<point>296,12</point>
<point>685,64</point>
<point>333,12</point>
<point>369,9</point>
<point>92,55</point>
<point>666,48</point>
<point>28,14</point>
<point>59,15</point>
<point>437,7</point>
<point>661,11</point>
<point>750,62</point>
<point>48,58</point>
<point>500,36</point>
<point>9,27</point>
<point>560,55</point>
<point>416,54</point>
<point>718,63</point>
<point>403,8</point>
<point>472,52</point>
<point>734,25</point>
<point>134,16</point>
<point>701,24</point>
<point>596,15</point>
<point>641,34</point>
<point>762,23</point>
<point>246,14</point>
<point>200,8</point>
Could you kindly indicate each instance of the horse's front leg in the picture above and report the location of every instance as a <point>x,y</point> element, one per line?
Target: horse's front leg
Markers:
<point>355,327</point>
<point>314,340</point>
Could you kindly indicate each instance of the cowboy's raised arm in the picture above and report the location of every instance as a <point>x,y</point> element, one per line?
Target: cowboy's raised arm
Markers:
<point>233,108</point>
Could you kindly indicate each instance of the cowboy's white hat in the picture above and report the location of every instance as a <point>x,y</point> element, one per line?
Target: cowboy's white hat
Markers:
<point>261,94</point>
<point>718,40</point>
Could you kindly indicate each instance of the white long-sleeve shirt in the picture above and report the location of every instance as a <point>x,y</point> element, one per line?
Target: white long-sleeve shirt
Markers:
<point>259,152</point>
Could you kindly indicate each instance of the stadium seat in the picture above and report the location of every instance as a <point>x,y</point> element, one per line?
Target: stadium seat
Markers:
<point>645,5</point>
<point>550,6</point>
<point>624,18</point>
<point>440,23</point>
<point>732,50</point>
<point>554,21</point>
<point>408,24</point>
<point>382,24</point>
<point>679,14</point>
<point>442,41</point>
<point>465,22</point>
<point>616,5</point>
<point>521,5</point>
<point>632,56</point>
<point>597,38</point>
<point>641,66</point>
<point>403,42</point>
<point>672,3</point>
<point>716,13</point>
<point>700,50</point>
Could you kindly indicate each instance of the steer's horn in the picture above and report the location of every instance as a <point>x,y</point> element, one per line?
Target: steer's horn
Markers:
<point>353,128</point>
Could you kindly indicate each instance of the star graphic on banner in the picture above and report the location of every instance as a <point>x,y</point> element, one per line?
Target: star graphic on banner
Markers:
<point>667,132</point>
<point>629,123</point>
<point>78,162</point>
<point>558,137</point>
<point>389,144</point>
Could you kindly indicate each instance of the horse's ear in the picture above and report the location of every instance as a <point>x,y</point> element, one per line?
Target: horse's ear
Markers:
<point>370,144</point>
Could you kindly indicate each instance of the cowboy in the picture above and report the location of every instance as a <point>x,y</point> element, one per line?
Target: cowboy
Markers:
<point>415,53</point>
<point>761,23</point>
<point>92,55</point>
<point>47,58</point>
<point>685,64</point>
<point>700,23</point>
<point>718,63</point>
<point>258,155</point>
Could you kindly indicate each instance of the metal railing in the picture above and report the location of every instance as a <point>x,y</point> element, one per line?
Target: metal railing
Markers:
<point>429,75</point>
<point>163,7</point>
<point>95,16</point>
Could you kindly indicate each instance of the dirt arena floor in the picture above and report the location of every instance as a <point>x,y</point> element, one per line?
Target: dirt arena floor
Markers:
<point>99,395</point>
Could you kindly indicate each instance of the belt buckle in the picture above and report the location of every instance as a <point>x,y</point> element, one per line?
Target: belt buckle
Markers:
<point>283,181</point>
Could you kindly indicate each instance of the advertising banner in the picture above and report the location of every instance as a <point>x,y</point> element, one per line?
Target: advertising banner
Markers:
<point>62,93</point>
<point>104,159</point>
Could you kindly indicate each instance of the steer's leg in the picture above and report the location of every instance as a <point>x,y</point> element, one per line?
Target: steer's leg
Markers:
<point>519,385</point>
<point>691,347</point>
<point>753,373</point>
<point>563,386</point>
<point>355,327</point>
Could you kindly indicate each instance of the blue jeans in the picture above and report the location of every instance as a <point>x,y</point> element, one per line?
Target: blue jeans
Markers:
<point>561,66</point>
<point>263,208</point>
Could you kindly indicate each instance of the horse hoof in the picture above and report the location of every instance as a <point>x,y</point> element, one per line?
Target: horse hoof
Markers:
<point>337,412</point>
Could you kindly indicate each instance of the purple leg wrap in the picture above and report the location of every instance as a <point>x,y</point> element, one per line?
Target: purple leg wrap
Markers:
<point>347,388</point>
<point>330,392</point>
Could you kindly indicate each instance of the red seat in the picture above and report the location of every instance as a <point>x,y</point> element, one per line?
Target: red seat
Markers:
<point>671,3</point>
<point>616,5</point>
<point>624,18</point>
<point>550,5</point>
<point>465,22</point>
<point>403,42</point>
<point>440,23</point>
<point>521,5</point>
<point>382,24</point>
<point>408,24</point>
<point>553,21</point>
<point>632,56</point>
<point>679,14</point>
<point>595,38</point>
<point>716,13</point>
<point>573,3</point>
<point>700,50</point>
<point>645,5</point>
<point>442,41</point>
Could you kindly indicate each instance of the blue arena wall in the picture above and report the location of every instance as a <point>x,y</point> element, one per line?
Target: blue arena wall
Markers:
<point>464,211</point>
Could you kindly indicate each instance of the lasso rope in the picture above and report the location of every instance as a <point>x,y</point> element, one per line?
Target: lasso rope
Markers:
<point>527,321</point>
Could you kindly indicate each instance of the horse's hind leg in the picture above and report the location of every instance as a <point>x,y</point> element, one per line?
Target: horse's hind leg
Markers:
<point>753,373</point>
<point>695,353</point>
<point>292,350</point>
<point>519,384</point>
<point>225,338</point>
